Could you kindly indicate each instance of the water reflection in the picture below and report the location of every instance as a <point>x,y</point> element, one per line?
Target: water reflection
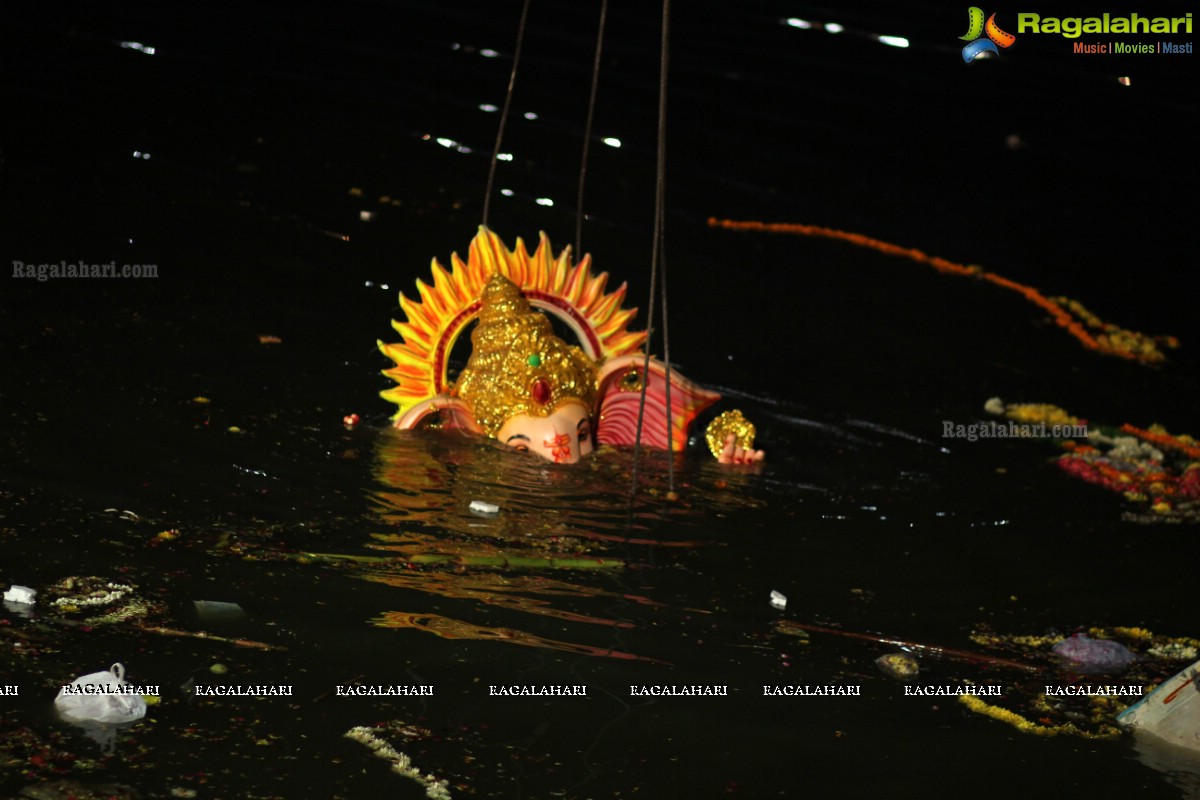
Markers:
<point>560,550</point>
<point>1179,767</point>
<point>448,628</point>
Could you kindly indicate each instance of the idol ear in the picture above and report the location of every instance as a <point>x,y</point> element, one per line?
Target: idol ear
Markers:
<point>449,413</point>
<point>621,380</point>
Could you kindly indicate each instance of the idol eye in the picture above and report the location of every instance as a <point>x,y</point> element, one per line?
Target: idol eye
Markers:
<point>585,431</point>
<point>521,448</point>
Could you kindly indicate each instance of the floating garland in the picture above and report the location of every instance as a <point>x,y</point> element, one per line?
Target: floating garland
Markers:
<point>1159,436</point>
<point>109,602</point>
<point>973,703</point>
<point>1166,648</point>
<point>1132,465</point>
<point>1068,314</point>
<point>93,598</point>
<point>401,764</point>
<point>1090,716</point>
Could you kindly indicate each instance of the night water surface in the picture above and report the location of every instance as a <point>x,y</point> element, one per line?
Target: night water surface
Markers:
<point>287,170</point>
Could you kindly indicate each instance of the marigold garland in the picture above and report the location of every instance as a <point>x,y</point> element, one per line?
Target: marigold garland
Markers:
<point>1089,717</point>
<point>1168,648</point>
<point>1024,725</point>
<point>1067,314</point>
<point>1158,435</point>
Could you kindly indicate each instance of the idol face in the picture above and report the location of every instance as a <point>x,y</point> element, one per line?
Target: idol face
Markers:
<point>563,437</point>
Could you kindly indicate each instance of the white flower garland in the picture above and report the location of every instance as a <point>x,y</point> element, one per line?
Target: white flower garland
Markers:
<point>401,764</point>
<point>117,591</point>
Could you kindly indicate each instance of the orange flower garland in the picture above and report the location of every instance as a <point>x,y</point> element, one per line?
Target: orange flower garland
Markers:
<point>1112,340</point>
<point>1159,436</point>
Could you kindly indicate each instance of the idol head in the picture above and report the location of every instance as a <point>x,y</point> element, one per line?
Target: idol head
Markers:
<point>524,385</point>
<point>562,436</point>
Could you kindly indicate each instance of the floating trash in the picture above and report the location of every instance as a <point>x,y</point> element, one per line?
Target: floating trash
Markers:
<point>101,697</point>
<point>1094,655</point>
<point>778,600</point>
<point>74,790</point>
<point>480,507</point>
<point>20,594</point>
<point>900,666</point>
<point>213,610</point>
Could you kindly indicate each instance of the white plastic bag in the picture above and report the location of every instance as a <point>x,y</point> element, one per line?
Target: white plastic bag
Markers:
<point>20,594</point>
<point>100,697</point>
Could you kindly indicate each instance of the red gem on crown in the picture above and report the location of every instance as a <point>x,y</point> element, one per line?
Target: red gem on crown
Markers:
<point>540,391</point>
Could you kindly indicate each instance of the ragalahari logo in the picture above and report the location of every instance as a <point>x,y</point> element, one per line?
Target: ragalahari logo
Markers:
<point>977,45</point>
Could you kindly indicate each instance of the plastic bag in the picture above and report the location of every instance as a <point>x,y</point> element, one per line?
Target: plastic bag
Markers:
<point>20,594</point>
<point>100,697</point>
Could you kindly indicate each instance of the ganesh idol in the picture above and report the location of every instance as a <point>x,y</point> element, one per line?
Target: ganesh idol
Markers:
<point>525,386</point>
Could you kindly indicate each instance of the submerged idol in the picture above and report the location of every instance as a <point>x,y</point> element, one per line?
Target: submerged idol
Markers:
<point>523,384</point>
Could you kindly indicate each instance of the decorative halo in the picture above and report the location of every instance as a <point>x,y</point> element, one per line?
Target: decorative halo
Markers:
<point>555,285</point>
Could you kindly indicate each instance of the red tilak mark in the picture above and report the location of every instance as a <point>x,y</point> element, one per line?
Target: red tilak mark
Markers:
<point>560,447</point>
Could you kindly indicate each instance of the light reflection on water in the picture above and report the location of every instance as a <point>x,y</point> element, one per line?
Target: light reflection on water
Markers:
<point>561,544</point>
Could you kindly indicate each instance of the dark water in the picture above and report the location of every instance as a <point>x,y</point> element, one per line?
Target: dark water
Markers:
<point>270,127</point>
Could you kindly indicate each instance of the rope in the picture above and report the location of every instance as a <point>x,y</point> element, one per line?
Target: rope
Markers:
<point>659,196</point>
<point>667,364</point>
<point>587,130</point>
<point>512,82</point>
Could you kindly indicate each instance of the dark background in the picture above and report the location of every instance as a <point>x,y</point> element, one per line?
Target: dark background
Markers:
<point>271,126</point>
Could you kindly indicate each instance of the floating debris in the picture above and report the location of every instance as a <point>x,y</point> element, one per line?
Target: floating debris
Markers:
<point>900,666</point>
<point>106,601</point>
<point>74,790</point>
<point>435,789</point>
<point>86,596</point>
<point>1094,655</point>
<point>215,610</point>
<point>1148,466</point>
<point>480,507</point>
<point>20,594</point>
<point>1174,651</point>
<point>1103,710</point>
<point>100,697</point>
<point>778,600</point>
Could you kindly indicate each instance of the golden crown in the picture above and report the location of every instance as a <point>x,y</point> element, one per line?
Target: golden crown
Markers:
<point>440,311</point>
<point>517,364</point>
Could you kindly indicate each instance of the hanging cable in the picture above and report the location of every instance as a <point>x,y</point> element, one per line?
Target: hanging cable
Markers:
<point>512,82</point>
<point>587,130</point>
<point>667,364</point>
<point>659,198</point>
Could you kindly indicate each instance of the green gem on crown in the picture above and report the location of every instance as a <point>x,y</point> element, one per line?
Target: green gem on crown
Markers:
<point>534,360</point>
